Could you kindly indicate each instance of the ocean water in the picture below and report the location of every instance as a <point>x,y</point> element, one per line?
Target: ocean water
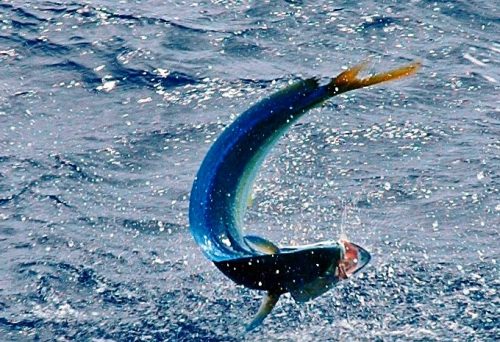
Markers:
<point>108,107</point>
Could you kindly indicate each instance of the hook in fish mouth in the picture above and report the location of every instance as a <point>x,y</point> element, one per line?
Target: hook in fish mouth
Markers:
<point>354,259</point>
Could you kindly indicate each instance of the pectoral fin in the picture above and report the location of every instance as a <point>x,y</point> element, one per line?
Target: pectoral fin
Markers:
<point>318,286</point>
<point>313,289</point>
<point>268,303</point>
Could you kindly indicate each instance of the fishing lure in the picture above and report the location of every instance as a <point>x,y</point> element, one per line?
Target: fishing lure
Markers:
<point>222,186</point>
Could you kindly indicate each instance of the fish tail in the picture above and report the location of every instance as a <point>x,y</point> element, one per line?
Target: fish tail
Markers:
<point>268,303</point>
<point>348,80</point>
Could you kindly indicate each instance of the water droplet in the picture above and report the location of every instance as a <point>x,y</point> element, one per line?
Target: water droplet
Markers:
<point>480,175</point>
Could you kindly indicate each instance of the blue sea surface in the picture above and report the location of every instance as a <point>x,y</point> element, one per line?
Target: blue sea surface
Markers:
<point>108,107</point>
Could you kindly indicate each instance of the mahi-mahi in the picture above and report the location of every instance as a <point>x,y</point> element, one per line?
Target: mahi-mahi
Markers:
<point>222,186</point>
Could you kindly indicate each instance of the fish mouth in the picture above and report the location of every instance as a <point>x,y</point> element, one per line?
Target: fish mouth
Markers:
<point>355,258</point>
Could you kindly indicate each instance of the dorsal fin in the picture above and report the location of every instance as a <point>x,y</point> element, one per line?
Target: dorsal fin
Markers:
<point>262,245</point>
<point>268,303</point>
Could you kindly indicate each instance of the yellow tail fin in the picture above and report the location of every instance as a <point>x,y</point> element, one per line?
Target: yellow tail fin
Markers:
<point>348,80</point>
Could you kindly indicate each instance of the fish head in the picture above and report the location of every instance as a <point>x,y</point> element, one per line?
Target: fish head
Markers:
<point>353,259</point>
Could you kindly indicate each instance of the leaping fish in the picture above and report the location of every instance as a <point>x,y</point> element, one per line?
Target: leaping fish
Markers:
<point>222,186</point>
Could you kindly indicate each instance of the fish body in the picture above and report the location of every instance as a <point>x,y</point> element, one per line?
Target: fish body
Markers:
<point>223,183</point>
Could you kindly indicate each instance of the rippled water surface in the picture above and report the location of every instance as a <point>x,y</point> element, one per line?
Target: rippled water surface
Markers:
<point>108,107</point>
